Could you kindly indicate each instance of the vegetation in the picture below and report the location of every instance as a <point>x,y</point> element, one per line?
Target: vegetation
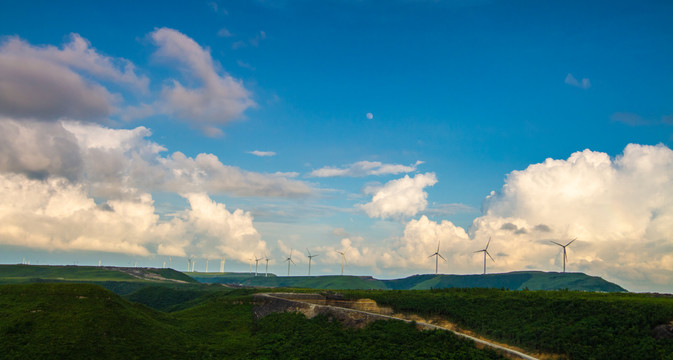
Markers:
<point>188,320</point>
<point>292,336</point>
<point>533,280</point>
<point>83,321</point>
<point>12,274</point>
<point>578,325</point>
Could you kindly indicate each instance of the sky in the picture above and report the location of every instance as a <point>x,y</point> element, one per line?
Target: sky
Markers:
<point>145,133</point>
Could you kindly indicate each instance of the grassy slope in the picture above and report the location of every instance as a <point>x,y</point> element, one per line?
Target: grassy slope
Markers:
<point>24,273</point>
<point>34,273</point>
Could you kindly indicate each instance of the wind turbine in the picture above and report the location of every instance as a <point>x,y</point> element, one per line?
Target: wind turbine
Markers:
<point>309,260</point>
<point>565,255</point>
<point>170,262</point>
<point>190,264</point>
<point>207,264</point>
<point>251,265</point>
<point>222,265</point>
<point>289,260</point>
<point>485,250</point>
<point>343,260</point>
<point>267,258</point>
<point>257,262</point>
<point>437,255</point>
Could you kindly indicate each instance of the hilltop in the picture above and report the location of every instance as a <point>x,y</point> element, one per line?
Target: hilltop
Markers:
<point>519,280</point>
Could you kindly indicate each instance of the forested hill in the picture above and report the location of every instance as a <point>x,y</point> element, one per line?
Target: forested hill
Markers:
<point>520,280</point>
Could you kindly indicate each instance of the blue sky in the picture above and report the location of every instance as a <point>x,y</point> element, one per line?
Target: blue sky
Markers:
<point>146,117</point>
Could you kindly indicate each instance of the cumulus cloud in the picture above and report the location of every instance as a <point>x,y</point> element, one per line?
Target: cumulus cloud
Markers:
<point>47,83</point>
<point>364,168</point>
<point>55,214</point>
<point>619,209</point>
<point>121,163</point>
<point>38,149</point>
<point>572,81</point>
<point>215,99</point>
<point>262,153</point>
<point>401,197</point>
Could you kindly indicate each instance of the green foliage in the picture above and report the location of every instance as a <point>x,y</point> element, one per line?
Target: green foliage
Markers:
<point>292,336</point>
<point>579,325</point>
<point>12,274</point>
<point>535,280</point>
<point>82,321</point>
<point>76,321</point>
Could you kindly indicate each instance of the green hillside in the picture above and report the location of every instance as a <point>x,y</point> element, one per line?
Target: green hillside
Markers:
<point>84,321</point>
<point>76,321</point>
<point>573,324</point>
<point>532,280</point>
<point>40,273</point>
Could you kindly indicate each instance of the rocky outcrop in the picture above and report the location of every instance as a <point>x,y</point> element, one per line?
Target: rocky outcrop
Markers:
<point>663,331</point>
<point>350,313</point>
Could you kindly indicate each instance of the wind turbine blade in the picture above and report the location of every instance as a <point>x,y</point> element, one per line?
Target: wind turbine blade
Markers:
<point>488,243</point>
<point>489,255</point>
<point>479,251</point>
<point>431,255</point>
<point>437,246</point>
<point>556,243</point>
<point>571,241</point>
<point>440,255</point>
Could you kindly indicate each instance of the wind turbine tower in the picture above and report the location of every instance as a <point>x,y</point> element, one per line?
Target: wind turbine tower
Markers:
<point>343,260</point>
<point>222,265</point>
<point>257,262</point>
<point>437,255</point>
<point>267,258</point>
<point>565,254</point>
<point>289,260</point>
<point>310,257</point>
<point>485,251</point>
<point>207,264</point>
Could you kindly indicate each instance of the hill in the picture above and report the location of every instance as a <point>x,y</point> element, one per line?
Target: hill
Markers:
<point>40,273</point>
<point>520,280</point>
<point>70,320</point>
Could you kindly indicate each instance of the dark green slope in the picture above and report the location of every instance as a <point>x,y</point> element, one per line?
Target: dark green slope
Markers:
<point>78,321</point>
<point>532,280</point>
<point>519,280</point>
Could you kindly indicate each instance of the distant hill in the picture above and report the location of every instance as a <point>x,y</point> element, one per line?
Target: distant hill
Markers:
<point>532,280</point>
<point>41,273</point>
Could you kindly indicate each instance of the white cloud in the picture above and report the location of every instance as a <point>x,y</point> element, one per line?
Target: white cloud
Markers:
<point>55,214</point>
<point>401,197</point>
<point>39,149</point>
<point>572,81</point>
<point>364,168</point>
<point>619,209</point>
<point>262,153</point>
<point>223,32</point>
<point>217,100</point>
<point>121,163</point>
